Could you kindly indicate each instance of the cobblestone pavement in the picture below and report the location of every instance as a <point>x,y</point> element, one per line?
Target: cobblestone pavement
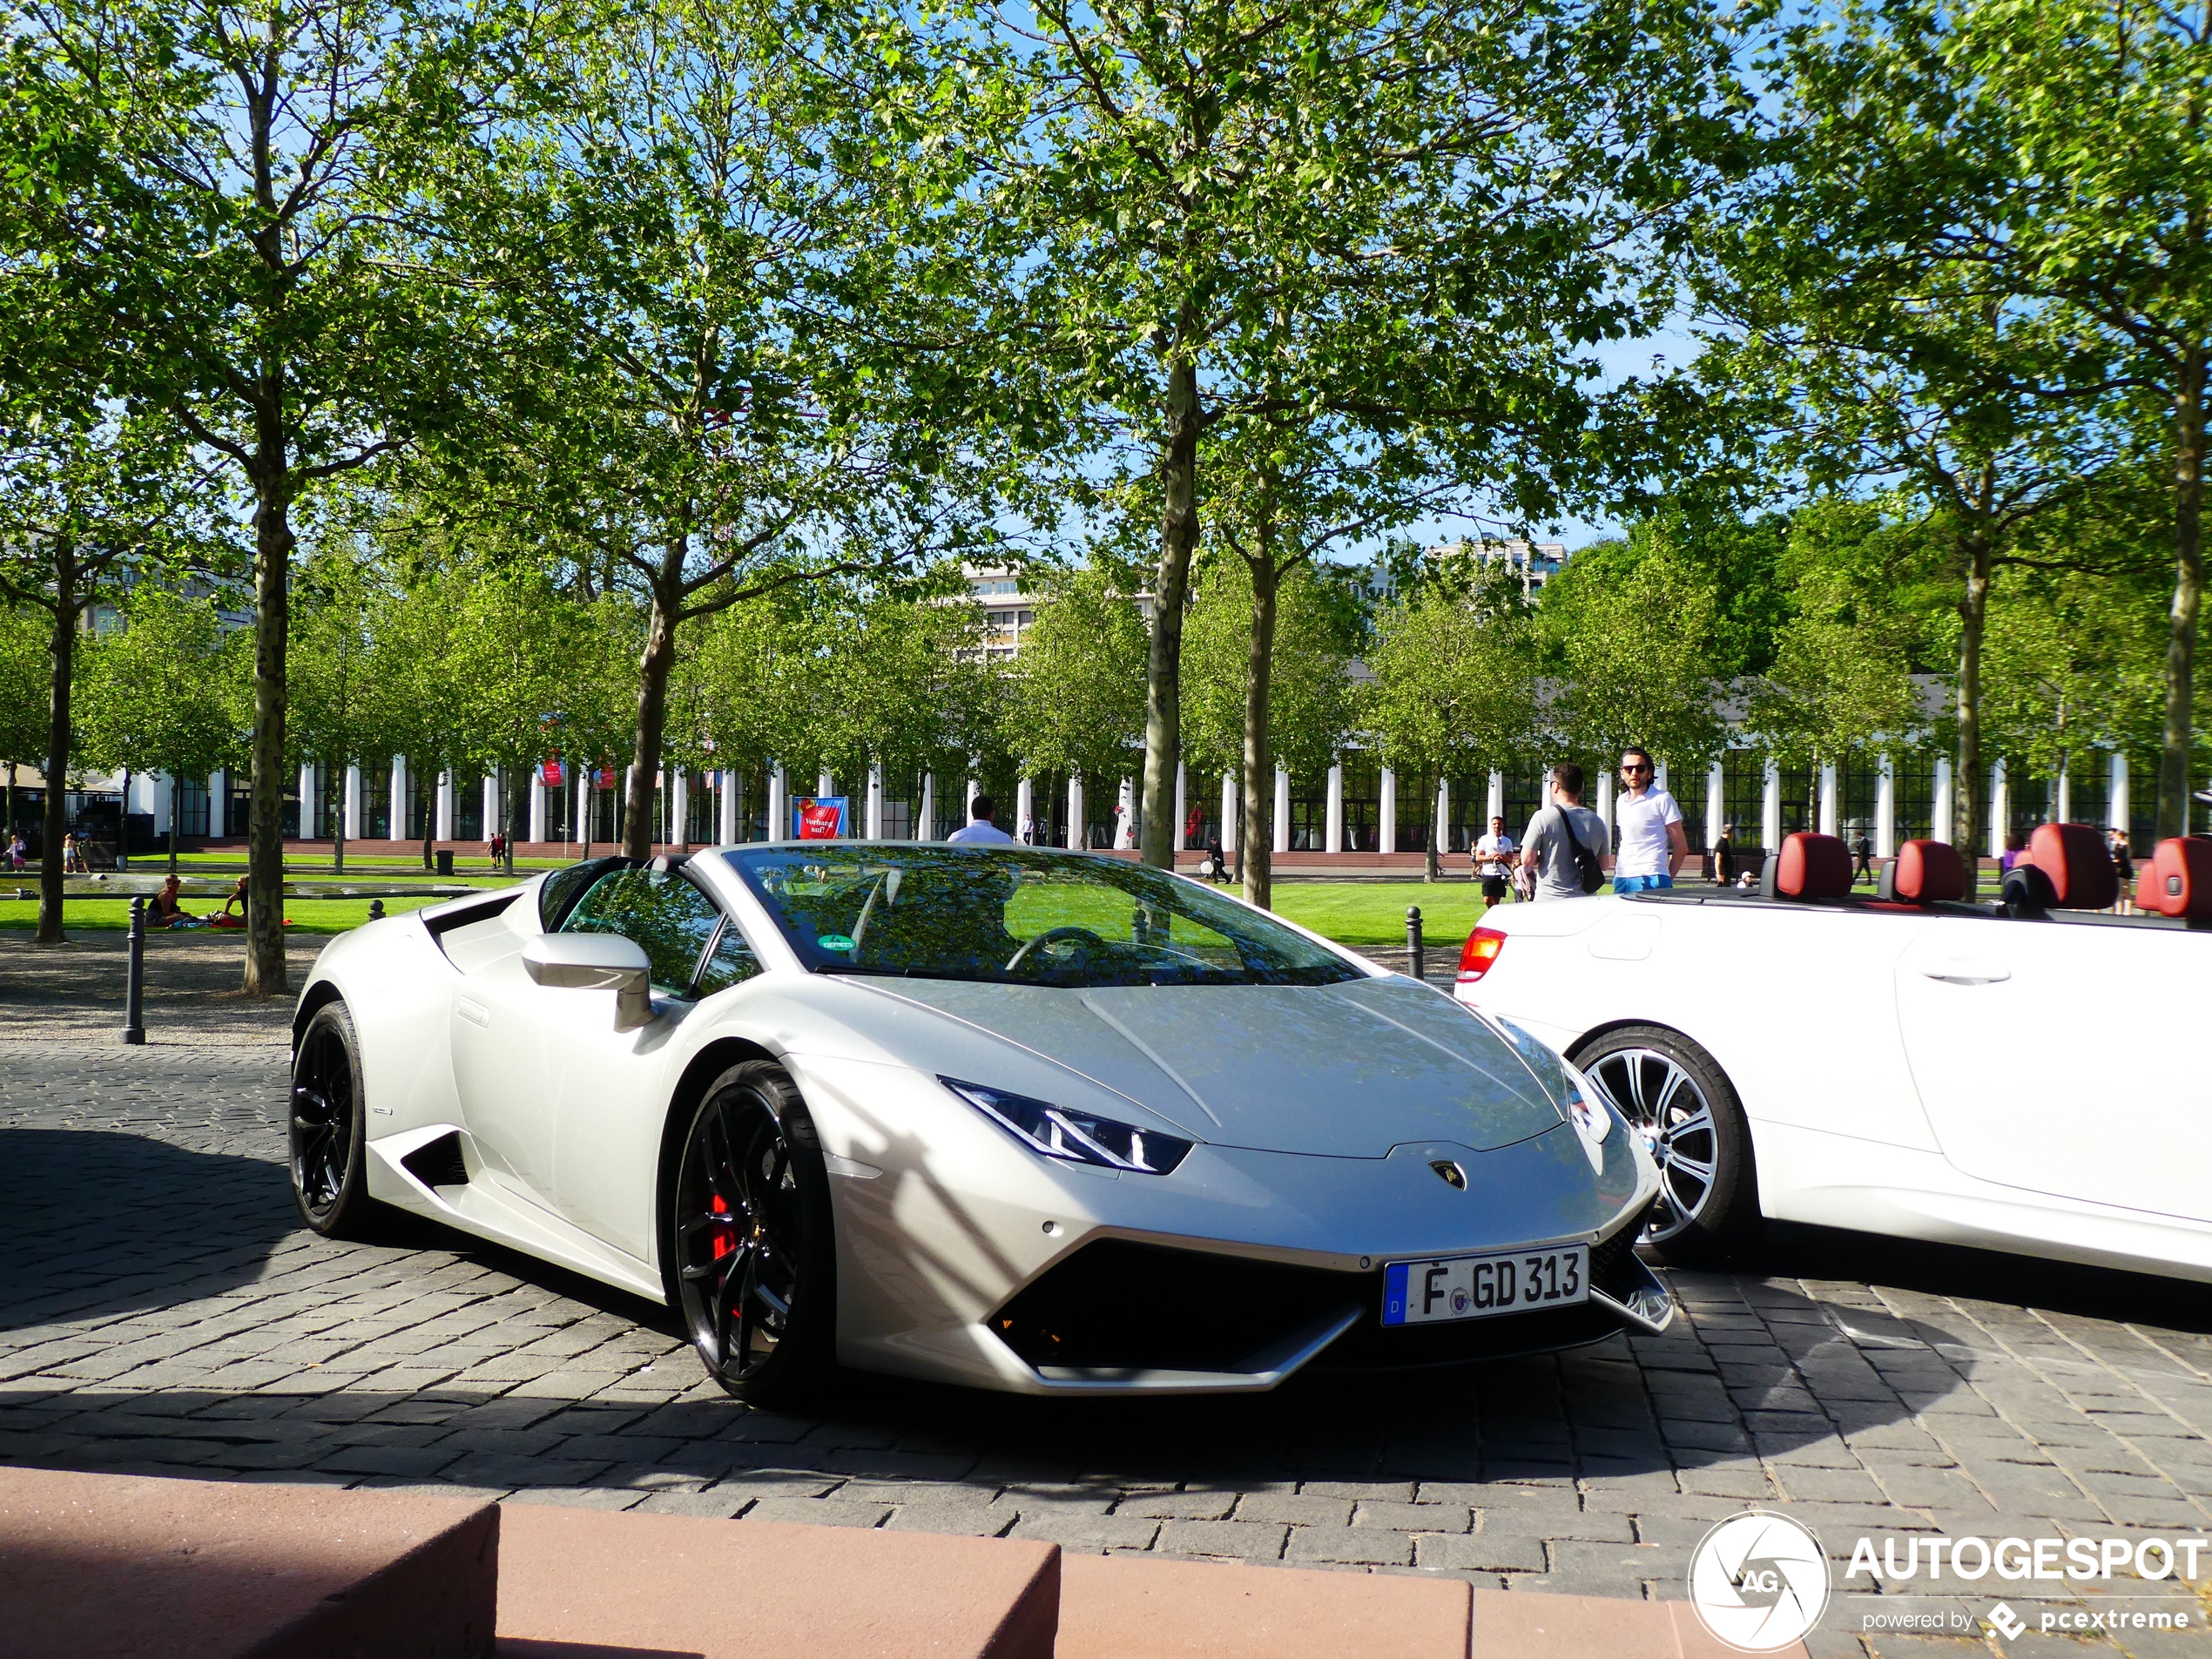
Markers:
<point>162,1312</point>
<point>74,992</point>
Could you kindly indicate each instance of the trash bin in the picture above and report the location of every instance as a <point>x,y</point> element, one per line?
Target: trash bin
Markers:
<point>445,860</point>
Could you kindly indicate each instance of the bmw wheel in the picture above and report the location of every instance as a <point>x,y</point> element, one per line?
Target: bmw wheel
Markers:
<point>1671,1093</point>
<point>748,1238</point>
<point>329,1156</point>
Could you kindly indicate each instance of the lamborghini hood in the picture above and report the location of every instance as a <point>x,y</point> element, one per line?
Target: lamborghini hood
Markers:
<point>1346,1071</point>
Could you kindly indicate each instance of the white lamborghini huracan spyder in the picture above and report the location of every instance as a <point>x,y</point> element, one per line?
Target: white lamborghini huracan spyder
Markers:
<point>1027,1120</point>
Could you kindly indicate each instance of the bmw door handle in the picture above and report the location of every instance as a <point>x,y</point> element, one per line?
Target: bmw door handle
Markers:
<point>1962,971</point>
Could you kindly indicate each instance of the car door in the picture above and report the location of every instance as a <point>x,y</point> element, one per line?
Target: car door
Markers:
<point>502,1074</point>
<point>611,1087</point>
<point>2054,1055</point>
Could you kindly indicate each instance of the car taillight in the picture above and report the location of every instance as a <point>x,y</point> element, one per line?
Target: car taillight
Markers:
<point>1481,950</point>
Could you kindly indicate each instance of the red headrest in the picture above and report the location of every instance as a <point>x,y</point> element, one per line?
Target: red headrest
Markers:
<point>1808,866</point>
<point>1929,873</point>
<point>2178,881</point>
<point>2078,864</point>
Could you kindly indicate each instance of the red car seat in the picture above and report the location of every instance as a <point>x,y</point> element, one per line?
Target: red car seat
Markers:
<point>2078,864</point>
<point>2178,880</point>
<point>1924,873</point>
<point>1807,866</point>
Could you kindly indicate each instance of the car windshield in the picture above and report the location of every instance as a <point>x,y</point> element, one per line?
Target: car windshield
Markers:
<point>1017,916</point>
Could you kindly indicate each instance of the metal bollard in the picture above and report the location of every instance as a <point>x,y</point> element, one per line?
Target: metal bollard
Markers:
<point>134,994</point>
<point>1414,948</point>
<point>376,910</point>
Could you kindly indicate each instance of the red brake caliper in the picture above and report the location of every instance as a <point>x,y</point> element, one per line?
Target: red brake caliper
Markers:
<point>723,1242</point>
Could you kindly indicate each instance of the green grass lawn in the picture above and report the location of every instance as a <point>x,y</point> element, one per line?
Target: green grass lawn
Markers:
<point>307,916</point>
<point>1373,912</point>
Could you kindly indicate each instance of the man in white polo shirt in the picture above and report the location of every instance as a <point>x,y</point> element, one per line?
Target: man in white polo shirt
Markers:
<point>981,812</point>
<point>1653,844</point>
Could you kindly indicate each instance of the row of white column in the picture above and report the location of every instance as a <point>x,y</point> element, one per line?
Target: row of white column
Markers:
<point>153,791</point>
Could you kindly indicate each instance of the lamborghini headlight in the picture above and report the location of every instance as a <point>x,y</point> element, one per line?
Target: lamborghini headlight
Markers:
<point>1072,1137</point>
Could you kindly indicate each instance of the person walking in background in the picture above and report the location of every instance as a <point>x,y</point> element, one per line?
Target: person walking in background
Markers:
<point>1862,867</point>
<point>1550,866</point>
<point>979,827</point>
<point>1724,857</point>
<point>2123,865</point>
<point>1493,862</point>
<point>1653,842</point>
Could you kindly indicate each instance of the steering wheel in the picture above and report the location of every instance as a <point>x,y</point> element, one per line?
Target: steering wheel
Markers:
<point>1046,937</point>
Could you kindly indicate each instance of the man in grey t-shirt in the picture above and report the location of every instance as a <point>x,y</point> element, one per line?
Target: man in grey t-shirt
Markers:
<point>1548,850</point>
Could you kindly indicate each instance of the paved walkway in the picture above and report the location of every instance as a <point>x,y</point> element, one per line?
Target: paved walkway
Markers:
<point>73,992</point>
<point>163,1312</point>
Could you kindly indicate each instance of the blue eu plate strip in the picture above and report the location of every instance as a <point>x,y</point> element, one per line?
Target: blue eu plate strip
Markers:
<point>1394,1293</point>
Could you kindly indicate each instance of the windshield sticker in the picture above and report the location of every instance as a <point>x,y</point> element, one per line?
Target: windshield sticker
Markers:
<point>836,942</point>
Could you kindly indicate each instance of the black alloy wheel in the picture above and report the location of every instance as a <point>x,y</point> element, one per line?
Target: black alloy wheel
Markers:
<point>748,1238</point>
<point>1683,1106</point>
<point>327,1133</point>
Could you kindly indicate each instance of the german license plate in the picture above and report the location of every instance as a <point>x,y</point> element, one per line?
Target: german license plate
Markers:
<point>1475,1287</point>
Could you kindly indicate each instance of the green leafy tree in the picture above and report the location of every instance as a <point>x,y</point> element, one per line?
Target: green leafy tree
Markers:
<point>417,628</point>
<point>1856,581</point>
<point>692,248</point>
<point>1290,643</point>
<point>1979,242</point>
<point>1455,683</point>
<point>85,500</point>
<point>2068,150</point>
<point>518,645</point>
<point>208,204</point>
<point>1077,701</point>
<point>336,702</point>
<point>166,692</point>
<point>24,690</point>
<point>1202,180</point>
<point>1631,635</point>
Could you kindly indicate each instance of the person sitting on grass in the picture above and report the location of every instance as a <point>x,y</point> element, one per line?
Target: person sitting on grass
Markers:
<point>223,918</point>
<point>166,911</point>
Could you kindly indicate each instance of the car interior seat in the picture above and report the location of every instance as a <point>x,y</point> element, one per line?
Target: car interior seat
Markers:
<point>1807,866</point>
<point>2067,866</point>
<point>2177,881</point>
<point>1924,873</point>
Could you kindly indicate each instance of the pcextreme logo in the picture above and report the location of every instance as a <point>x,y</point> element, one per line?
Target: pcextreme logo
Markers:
<point>1759,1582</point>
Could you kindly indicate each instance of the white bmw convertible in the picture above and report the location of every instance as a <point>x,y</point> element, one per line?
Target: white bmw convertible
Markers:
<point>1027,1120</point>
<point>2018,1075</point>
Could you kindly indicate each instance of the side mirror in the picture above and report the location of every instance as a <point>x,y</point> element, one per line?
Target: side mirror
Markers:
<point>596,962</point>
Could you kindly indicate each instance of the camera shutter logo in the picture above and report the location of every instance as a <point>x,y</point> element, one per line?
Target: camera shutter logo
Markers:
<point>1759,1582</point>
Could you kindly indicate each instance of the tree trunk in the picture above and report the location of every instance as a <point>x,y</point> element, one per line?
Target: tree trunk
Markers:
<point>1260,757</point>
<point>1968,794</point>
<point>653,666</point>
<point>583,793</point>
<point>176,789</point>
<point>338,827</point>
<point>62,648</point>
<point>264,972</point>
<point>2189,591</point>
<point>1164,665</point>
<point>425,792</point>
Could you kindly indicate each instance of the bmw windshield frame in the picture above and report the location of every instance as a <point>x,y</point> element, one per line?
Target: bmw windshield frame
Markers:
<point>1018,916</point>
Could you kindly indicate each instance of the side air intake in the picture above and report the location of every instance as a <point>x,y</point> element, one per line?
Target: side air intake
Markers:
<point>438,1163</point>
